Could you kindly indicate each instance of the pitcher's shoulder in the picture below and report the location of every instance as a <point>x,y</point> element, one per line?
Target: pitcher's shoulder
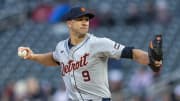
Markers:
<point>61,43</point>
<point>98,40</point>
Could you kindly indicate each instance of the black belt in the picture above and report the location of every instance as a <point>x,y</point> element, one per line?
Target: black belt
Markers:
<point>103,99</point>
<point>106,99</point>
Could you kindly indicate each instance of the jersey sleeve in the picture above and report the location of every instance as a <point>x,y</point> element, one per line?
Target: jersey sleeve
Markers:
<point>56,54</point>
<point>109,48</point>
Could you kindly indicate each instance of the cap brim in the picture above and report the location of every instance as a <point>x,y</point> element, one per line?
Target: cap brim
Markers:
<point>88,14</point>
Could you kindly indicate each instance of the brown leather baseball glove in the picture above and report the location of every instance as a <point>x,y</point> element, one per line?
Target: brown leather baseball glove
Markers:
<point>155,52</point>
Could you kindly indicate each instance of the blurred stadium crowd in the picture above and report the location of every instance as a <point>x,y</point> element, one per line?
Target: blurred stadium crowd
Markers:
<point>37,24</point>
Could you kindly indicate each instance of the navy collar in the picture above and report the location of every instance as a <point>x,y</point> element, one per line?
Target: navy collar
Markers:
<point>70,45</point>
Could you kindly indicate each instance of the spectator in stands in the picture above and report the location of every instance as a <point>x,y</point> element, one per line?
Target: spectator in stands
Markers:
<point>177,93</point>
<point>94,23</point>
<point>139,83</point>
<point>8,93</point>
<point>20,90</point>
<point>34,90</point>
<point>133,15</point>
<point>105,15</point>
<point>163,14</point>
<point>148,10</point>
<point>60,94</point>
<point>116,84</point>
<point>47,90</point>
<point>41,13</point>
<point>28,90</point>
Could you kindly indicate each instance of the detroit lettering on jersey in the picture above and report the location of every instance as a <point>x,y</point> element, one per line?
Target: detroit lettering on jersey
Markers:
<point>74,65</point>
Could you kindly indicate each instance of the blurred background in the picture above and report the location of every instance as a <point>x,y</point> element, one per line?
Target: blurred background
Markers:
<point>37,24</point>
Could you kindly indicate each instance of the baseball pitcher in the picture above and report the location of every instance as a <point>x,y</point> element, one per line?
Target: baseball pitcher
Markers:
<point>83,58</point>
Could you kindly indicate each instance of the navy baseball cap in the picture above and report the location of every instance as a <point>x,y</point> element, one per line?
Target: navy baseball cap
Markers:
<point>77,12</point>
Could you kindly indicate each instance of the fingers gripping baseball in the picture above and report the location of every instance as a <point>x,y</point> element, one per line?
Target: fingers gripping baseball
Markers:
<point>25,52</point>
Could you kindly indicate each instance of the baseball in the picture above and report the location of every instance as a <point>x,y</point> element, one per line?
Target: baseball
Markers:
<point>22,53</point>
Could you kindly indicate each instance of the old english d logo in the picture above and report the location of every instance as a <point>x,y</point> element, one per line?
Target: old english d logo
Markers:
<point>83,9</point>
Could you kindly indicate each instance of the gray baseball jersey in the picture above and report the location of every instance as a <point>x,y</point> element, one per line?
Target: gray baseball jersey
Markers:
<point>84,66</point>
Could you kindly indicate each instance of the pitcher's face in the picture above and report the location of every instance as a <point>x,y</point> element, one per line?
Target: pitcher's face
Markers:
<point>79,25</point>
